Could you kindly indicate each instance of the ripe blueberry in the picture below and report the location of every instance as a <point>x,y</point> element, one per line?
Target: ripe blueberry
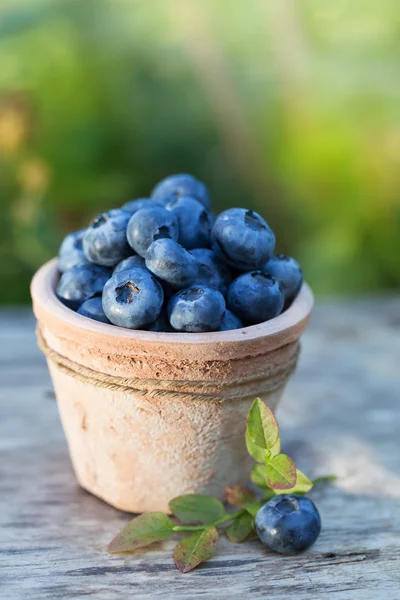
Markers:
<point>182,185</point>
<point>255,297</point>
<point>242,239</point>
<point>287,271</point>
<point>230,321</point>
<point>196,309</point>
<point>132,298</point>
<point>80,283</point>
<point>104,241</point>
<point>132,206</point>
<point>213,272</point>
<point>132,262</point>
<point>194,222</point>
<point>93,309</point>
<point>161,324</point>
<point>71,251</point>
<point>150,224</point>
<point>171,263</point>
<point>288,523</point>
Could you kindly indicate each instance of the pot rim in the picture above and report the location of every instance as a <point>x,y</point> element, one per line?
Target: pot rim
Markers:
<point>45,301</point>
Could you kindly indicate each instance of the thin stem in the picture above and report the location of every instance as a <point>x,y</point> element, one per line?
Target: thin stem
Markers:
<point>189,527</point>
<point>220,521</point>
<point>230,517</point>
<point>324,478</point>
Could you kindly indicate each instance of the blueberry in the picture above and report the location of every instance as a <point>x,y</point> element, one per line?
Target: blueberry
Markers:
<point>194,222</point>
<point>230,321</point>
<point>104,241</point>
<point>132,206</point>
<point>288,523</point>
<point>242,239</point>
<point>132,262</point>
<point>80,283</point>
<point>287,271</point>
<point>93,309</point>
<point>168,291</point>
<point>150,224</point>
<point>161,324</point>
<point>197,309</point>
<point>213,272</point>
<point>132,298</point>
<point>255,297</point>
<point>182,185</point>
<point>71,251</point>
<point>171,263</point>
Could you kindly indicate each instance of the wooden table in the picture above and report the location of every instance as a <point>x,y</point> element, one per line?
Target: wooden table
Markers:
<point>340,414</point>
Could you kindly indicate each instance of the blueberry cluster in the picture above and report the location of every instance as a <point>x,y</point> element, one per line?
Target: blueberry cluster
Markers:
<point>165,263</point>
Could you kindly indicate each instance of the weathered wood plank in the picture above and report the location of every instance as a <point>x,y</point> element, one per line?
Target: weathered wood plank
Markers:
<point>340,414</point>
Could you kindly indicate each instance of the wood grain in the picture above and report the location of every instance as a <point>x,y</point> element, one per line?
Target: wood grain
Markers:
<point>340,414</point>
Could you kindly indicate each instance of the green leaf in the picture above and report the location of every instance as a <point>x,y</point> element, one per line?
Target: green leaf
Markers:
<point>239,495</point>
<point>142,531</point>
<point>303,485</point>
<point>280,472</point>
<point>197,507</point>
<point>259,454</point>
<point>262,427</point>
<point>257,476</point>
<point>253,507</point>
<point>276,448</point>
<point>195,549</point>
<point>240,529</point>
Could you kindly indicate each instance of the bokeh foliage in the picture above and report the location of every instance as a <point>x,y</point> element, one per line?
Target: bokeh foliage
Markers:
<point>289,107</point>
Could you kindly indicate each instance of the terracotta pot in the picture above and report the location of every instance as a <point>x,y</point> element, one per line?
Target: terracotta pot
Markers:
<point>149,416</point>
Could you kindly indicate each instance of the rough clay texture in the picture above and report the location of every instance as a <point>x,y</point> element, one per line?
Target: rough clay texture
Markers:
<point>137,453</point>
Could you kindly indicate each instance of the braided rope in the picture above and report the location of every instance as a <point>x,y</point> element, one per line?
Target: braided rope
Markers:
<point>270,379</point>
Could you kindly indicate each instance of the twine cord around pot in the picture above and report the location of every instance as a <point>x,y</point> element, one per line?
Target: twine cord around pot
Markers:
<point>272,378</point>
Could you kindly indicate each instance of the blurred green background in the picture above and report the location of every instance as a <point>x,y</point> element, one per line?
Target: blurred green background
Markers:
<point>290,107</point>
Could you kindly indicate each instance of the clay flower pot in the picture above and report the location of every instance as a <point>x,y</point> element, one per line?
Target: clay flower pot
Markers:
<point>149,416</point>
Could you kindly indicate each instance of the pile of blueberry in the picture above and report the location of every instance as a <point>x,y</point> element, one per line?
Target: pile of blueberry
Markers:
<point>165,263</point>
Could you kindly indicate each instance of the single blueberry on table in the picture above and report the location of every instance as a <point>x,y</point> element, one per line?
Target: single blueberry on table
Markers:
<point>132,298</point>
<point>287,271</point>
<point>213,272</point>
<point>150,224</point>
<point>104,241</point>
<point>131,262</point>
<point>71,251</point>
<point>182,185</point>
<point>132,206</point>
<point>242,239</point>
<point>197,309</point>
<point>255,297</point>
<point>80,283</point>
<point>161,324</point>
<point>194,222</point>
<point>171,263</point>
<point>230,321</point>
<point>288,523</point>
<point>93,309</point>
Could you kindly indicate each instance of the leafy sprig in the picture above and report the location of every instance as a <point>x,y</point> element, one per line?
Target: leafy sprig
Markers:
<point>200,515</point>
